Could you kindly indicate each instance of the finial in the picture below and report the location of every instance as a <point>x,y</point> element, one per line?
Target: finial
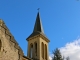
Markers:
<point>38,9</point>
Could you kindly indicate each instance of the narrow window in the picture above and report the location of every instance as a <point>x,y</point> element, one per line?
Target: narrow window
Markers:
<point>0,45</point>
<point>42,50</point>
<point>45,52</point>
<point>31,50</point>
<point>35,48</point>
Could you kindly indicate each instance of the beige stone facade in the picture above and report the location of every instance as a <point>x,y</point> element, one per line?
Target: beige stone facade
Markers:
<point>37,44</point>
<point>9,47</point>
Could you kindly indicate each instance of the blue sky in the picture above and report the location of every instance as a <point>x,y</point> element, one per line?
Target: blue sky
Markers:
<point>60,19</point>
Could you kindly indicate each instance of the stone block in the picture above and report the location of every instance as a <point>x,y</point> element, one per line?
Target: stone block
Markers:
<point>2,29</point>
<point>8,33</point>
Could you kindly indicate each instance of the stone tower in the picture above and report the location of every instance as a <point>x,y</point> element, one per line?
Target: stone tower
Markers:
<point>38,42</point>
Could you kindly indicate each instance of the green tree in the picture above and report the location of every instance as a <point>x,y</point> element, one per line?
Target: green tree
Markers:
<point>57,55</point>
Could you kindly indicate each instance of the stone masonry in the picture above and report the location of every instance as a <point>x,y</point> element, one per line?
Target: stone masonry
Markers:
<point>10,50</point>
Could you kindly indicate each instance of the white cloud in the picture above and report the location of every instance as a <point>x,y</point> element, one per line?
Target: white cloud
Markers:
<point>71,49</point>
<point>50,58</point>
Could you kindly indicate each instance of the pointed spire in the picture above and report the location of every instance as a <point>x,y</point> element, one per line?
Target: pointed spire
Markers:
<point>38,29</point>
<point>38,25</point>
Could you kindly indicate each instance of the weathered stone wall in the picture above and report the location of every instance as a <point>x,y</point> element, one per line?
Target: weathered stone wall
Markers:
<point>10,49</point>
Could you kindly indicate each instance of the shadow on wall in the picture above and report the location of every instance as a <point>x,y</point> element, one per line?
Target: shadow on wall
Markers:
<point>0,45</point>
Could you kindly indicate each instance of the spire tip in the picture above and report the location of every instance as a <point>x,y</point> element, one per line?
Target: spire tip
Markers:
<point>38,9</point>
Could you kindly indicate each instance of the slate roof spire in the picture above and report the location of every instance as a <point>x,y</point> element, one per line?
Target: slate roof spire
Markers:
<point>38,29</point>
<point>38,25</point>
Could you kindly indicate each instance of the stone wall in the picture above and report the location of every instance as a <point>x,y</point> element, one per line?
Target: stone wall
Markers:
<point>10,50</point>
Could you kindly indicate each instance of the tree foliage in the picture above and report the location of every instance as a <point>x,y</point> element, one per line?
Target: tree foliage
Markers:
<point>57,55</point>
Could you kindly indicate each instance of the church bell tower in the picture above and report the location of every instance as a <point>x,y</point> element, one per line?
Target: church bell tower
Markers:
<point>38,42</point>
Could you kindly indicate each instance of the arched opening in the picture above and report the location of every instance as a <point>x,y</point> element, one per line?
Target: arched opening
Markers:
<point>45,52</point>
<point>35,48</point>
<point>31,50</point>
<point>42,49</point>
<point>0,45</point>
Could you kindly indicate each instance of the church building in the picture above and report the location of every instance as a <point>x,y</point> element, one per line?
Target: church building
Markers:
<point>37,44</point>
